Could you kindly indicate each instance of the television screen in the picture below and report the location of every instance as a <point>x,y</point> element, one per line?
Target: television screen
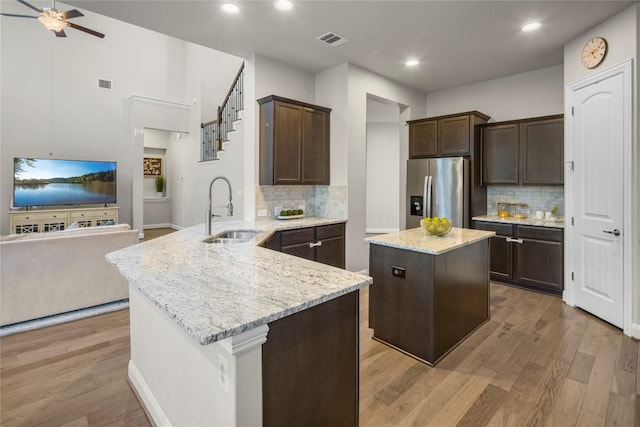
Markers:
<point>51,182</point>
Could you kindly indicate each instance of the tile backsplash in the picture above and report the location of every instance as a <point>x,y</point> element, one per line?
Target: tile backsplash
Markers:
<point>538,197</point>
<point>319,200</point>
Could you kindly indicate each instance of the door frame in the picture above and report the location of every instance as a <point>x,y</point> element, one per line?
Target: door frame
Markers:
<point>629,189</point>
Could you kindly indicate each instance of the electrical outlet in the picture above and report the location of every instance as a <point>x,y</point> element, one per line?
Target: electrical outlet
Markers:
<point>276,210</point>
<point>262,212</point>
<point>223,366</point>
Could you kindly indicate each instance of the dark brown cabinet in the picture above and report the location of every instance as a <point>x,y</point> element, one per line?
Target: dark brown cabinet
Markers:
<point>323,244</point>
<point>527,256</point>
<point>452,135</point>
<point>527,151</point>
<point>310,366</point>
<point>294,142</point>
<point>434,304</point>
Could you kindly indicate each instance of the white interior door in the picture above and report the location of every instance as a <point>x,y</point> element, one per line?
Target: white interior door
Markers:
<point>598,198</point>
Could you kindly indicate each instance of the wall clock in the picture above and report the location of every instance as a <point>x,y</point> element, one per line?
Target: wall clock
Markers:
<point>594,52</point>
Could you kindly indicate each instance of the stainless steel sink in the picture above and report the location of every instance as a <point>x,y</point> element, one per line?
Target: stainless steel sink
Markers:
<point>233,236</point>
<point>239,234</point>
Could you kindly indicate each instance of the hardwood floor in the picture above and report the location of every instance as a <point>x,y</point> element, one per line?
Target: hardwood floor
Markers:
<point>152,233</point>
<point>536,362</point>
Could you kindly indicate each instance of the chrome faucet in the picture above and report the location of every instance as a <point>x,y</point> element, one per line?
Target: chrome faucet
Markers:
<point>228,206</point>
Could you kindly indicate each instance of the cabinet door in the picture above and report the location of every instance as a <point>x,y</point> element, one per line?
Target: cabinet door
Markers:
<point>539,264</point>
<point>501,255</point>
<point>454,136</point>
<point>542,152</point>
<point>331,252</point>
<point>299,243</point>
<point>501,263</point>
<point>539,258</point>
<point>423,139</point>
<point>287,168</point>
<point>499,161</point>
<point>315,147</point>
<point>301,250</point>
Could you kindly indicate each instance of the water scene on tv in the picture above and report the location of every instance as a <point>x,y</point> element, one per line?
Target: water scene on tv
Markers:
<point>47,182</point>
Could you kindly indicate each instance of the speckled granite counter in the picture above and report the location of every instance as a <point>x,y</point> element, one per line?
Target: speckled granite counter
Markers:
<point>557,223</point>
<point>416,239</point>
<point>213,291</point>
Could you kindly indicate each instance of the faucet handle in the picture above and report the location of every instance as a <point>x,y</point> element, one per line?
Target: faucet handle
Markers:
<point>230,209</point>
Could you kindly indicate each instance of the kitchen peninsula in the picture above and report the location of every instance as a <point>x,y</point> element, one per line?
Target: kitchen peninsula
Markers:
<point>238,334</point>
<point>429,293</point>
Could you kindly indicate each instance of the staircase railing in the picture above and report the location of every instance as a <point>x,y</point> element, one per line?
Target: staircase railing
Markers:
<point>215,132</point>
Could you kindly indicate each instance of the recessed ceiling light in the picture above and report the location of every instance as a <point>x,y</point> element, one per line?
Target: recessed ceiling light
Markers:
<point>230,8</point>
<point>412,63</point>
<point>532,26</point>
<point>285,5</point>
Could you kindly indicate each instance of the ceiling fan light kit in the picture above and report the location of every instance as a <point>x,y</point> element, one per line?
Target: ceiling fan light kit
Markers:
<point>55,20</point>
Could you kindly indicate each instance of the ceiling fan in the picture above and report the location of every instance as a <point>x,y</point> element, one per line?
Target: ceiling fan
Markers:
<point>55,20</point>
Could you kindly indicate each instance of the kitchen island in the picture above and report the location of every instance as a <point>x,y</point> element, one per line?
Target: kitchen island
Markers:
<point>429,293</point>
<point>237,334</point>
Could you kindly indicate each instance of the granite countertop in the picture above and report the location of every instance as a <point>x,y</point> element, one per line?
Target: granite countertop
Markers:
<point>418,240</point>
<point>556,223</point>
<point>214,291</point>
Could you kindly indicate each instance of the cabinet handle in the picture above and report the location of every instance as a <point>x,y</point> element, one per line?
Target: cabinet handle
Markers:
<point>510,240</point>
<point>313,245</point>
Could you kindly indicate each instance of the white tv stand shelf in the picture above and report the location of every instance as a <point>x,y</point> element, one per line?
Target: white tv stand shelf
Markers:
<point>36,221</point>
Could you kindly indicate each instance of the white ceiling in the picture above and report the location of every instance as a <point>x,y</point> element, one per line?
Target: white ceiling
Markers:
<point>457,42</point>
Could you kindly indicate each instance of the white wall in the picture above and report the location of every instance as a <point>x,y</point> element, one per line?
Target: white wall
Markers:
<point>361,85</point>
<point>383,165</point>
<point>622,33</point>
<point>531,94</point>
<point>51,106</point>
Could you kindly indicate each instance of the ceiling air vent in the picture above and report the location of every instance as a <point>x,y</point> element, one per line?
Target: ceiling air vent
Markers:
<point>104,84</point>
<point>332,39</point>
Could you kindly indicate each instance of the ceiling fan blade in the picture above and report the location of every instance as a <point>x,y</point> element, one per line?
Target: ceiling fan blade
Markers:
<point>74,13</point>
<point>85,29</point>
<point>60,33</point>
<point>18,16</point>
<point>30,6</point>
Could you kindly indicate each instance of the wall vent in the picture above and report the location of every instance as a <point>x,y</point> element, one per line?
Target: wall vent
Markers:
<point>332,39</point>
<point>104,84</point>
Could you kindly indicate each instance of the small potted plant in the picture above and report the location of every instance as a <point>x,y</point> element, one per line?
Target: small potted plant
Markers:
<point>159,185</point>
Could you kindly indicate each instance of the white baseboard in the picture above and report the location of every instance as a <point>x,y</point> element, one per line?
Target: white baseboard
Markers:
<point>148,399</point>
<point>635,330</point>
<point>381,230</point>
<point>176,227</point>
<point>152,226</point>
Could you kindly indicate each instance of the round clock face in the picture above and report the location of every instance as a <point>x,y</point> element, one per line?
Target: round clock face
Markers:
<point>594,52</point>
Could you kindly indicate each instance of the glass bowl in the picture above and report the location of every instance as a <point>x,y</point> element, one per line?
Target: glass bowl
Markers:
<point>436,226</point>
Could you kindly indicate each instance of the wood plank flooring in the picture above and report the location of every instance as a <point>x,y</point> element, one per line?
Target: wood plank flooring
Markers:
<point>537,362</point>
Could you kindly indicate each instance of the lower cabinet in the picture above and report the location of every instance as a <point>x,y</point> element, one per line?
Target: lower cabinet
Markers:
<point>526,256</point>
<point>323,244</point>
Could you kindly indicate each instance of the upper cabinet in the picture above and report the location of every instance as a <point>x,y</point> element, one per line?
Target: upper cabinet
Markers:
<point>294,142</point>
<point>527,151</point>
<point>452,135</point>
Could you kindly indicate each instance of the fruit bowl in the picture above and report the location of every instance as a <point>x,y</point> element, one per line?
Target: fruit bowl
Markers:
<point>436,226</point>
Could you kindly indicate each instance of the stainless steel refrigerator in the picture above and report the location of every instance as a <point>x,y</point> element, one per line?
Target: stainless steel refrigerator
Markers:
<point>438,187</point>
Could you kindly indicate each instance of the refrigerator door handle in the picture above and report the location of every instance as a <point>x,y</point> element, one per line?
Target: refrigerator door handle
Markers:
<point>426,206</point>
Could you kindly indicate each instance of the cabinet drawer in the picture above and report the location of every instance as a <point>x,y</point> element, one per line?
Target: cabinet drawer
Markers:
<point>501,229</point>
<point>329,231</point>
<point>539,233</point>
<point>293,237</point>
<point>35,216</point>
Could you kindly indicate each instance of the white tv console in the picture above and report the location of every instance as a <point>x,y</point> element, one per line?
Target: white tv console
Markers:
<point>35,221</point>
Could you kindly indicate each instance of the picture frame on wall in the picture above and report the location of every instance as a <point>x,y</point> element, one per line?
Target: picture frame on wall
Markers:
<point>152,166</point>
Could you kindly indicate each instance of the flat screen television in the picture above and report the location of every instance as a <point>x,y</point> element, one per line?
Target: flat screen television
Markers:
<point>54,182</point>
